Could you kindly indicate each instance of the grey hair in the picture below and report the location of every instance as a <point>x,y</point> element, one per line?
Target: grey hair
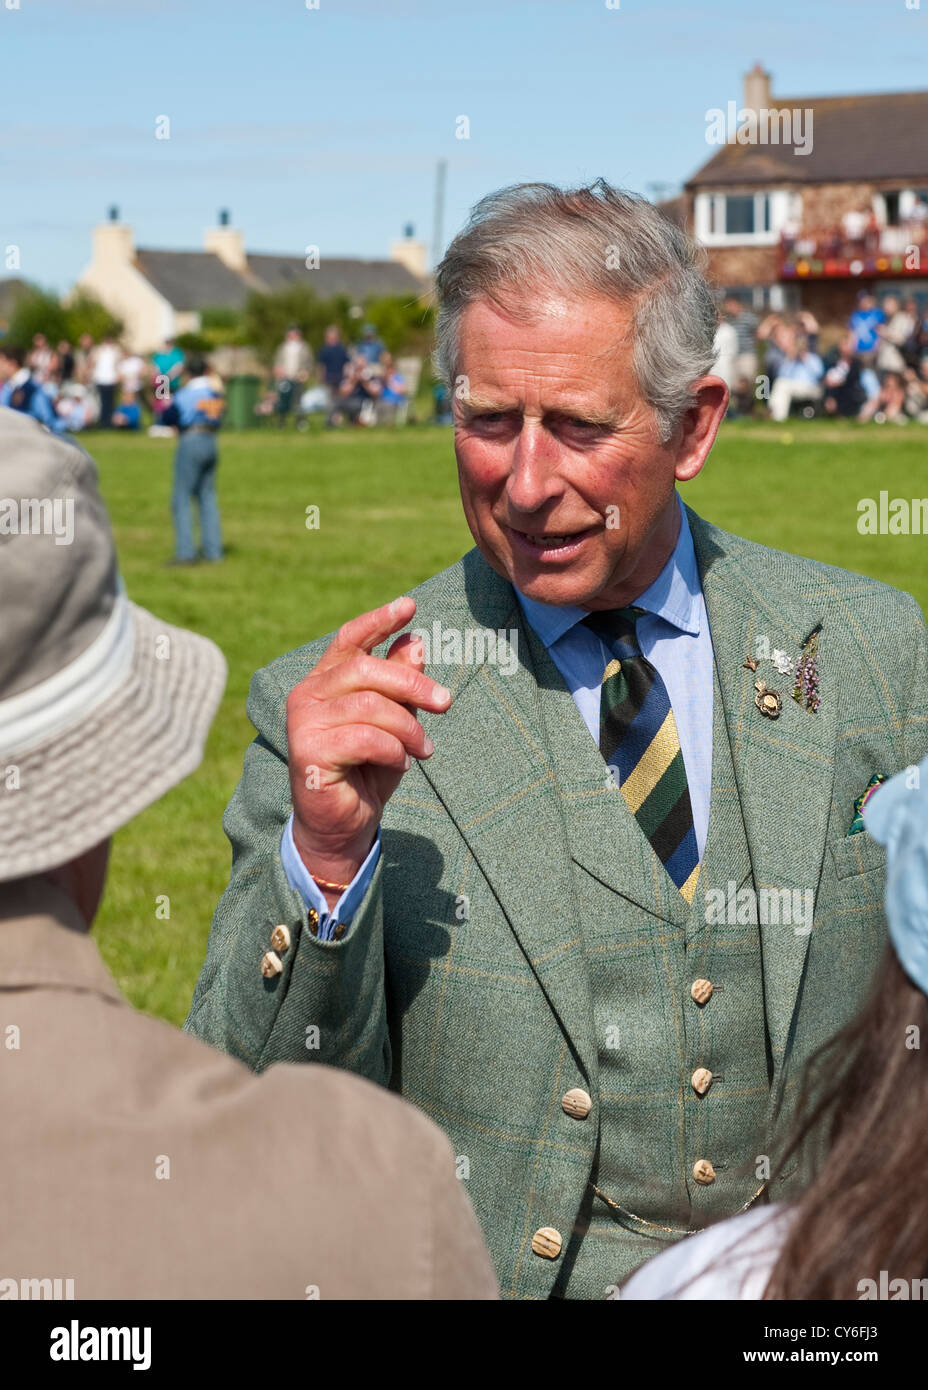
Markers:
<point>591,241</point>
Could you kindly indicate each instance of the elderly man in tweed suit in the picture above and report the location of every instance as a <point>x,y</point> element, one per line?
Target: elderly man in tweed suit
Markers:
<point>570,862</point>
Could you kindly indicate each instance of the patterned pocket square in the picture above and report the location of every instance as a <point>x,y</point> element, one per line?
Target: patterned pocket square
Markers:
<point>857,824</point>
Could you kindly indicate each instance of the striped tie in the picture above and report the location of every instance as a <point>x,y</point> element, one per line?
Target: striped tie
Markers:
<point>638,739</point>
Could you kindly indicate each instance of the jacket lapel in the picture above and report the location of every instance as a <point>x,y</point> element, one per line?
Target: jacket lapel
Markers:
<point>783,767</point>
<point>493,771</point>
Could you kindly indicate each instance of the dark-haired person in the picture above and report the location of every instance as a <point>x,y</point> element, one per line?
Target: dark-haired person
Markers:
<point>20,390</point>
<point>862,1224</point>
<point>105,375</point>
<point>197,411</point>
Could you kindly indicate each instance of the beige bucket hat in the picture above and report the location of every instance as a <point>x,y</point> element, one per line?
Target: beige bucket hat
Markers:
<point>103,707</point>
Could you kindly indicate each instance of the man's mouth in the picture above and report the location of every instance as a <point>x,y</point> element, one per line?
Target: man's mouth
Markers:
<point>552,544</point>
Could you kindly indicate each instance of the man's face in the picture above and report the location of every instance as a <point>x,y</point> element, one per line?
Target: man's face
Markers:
<point>553,439</point>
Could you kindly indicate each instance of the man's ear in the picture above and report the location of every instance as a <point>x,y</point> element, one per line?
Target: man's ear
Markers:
<point>699,426</point>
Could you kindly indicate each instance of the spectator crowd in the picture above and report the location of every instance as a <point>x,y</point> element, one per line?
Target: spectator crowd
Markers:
<point>75,387</point>
<point>101,385</point>
<point>358,385</point>
<point>878,370</point>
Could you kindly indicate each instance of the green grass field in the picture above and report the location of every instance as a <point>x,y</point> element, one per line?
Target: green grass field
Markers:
<point>389,518</point>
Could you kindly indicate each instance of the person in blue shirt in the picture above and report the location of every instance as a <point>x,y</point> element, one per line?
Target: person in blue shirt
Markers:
<point>127,415</point>
<point>370,347</point>
<point>197,410</point>
<point>19,389</point>
<point>864,322</point>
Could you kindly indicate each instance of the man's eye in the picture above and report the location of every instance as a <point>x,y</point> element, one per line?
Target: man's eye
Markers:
<point>572,422</point>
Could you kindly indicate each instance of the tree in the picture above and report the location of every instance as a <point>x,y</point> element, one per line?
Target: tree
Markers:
<point>41,311</point>
<point>405,325</point>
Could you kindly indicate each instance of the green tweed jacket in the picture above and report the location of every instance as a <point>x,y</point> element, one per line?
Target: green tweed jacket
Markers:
<point>463,981</point>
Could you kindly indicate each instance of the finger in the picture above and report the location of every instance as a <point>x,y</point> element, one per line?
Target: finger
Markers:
<point>368,630</point>
<point>360,745</point>
<point>395,679</point>
<point>370,707</point>
<point>409,649</point>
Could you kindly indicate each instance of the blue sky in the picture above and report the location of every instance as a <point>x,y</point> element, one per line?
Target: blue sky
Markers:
<point>324,126</point>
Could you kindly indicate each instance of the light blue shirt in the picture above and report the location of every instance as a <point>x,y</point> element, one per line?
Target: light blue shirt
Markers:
<point>300,880</point>
<point>198,403</point>
<point>40,406</point>
<point>674,636</point>
<point>808,369</point>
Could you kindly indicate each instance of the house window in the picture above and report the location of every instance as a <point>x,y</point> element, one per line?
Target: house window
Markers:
<point>892,208</point>
<point>746,214</point>
<point>732,218</point>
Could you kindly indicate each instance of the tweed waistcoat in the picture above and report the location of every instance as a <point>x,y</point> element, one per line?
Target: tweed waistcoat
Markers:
<point>645,946</point>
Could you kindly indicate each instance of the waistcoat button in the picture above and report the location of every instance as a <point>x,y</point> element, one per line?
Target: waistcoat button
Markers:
<point>701,990</point>
<point>701,1080</point>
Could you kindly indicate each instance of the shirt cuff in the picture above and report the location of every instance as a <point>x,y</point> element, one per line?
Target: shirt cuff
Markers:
<point>301,881</point>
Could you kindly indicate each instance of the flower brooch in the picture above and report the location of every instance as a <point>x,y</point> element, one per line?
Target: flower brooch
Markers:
<point>804,674</point>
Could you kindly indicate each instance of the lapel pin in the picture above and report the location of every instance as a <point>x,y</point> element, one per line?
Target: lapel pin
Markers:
<point>767,701</point>
<point>805,689</point>
<point>750,664</point>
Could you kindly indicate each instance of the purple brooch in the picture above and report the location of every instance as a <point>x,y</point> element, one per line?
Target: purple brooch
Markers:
<point>805,689</point>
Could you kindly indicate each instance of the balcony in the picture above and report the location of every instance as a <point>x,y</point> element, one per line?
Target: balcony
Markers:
<point>849,251</point>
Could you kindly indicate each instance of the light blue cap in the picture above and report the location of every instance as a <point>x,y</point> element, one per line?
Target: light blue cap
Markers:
<point>897,816</point>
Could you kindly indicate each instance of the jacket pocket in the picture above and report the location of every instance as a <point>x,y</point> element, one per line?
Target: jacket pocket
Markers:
<point>857,854</point>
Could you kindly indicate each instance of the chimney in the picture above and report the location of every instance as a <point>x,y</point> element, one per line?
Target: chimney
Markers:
<point>757,89</point>
<point>113,240</point>
<point>411,253</point>
<point>227,243</point>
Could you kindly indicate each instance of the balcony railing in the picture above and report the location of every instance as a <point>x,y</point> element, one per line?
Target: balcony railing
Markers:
<point>849,251</point>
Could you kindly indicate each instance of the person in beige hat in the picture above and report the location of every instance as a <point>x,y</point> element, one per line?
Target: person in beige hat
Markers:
<point>135,1161</point>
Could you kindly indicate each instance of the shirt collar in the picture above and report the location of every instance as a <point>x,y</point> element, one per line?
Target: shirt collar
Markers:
<point>674,595</point>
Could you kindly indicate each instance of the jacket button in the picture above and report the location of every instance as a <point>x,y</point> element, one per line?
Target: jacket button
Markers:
<point>280,937</point>
<point>701,990</point>
<point>270,965</point>
<point>547,1242</point>
<point>701,1080</point>
<point>576,1103</point>
<point>703,1171</point>
<point>312,921</point>
<point>339,931</point>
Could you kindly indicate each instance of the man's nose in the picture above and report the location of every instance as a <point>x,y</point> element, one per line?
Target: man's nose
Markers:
<point>534,470</point>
